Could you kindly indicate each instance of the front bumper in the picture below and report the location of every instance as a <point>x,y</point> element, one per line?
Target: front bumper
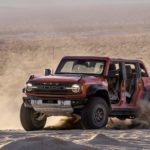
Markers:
<point>53,106</point>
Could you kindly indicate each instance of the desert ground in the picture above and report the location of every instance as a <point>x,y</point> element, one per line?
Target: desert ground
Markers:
<point>75,139</point>
<point>33,38</point>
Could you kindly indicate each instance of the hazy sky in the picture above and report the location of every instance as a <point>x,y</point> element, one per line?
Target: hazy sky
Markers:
<point>70,16</point>
<point>62,2</point>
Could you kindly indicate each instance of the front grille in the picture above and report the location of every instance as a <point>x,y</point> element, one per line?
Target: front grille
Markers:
<point>52,88</point>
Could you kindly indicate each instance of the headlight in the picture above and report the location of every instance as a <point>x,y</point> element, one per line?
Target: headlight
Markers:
<point>76,88</point>
<point>29,87</point>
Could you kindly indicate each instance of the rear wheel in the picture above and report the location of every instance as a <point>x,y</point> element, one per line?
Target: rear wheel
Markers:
<point>95,114</point>
<point>31,120</point>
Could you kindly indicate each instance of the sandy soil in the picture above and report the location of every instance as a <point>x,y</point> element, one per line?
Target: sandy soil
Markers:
<point>28,37</point>
<point>75,139</point>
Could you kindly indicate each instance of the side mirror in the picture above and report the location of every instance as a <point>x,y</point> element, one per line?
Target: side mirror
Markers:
<point>47,72</point>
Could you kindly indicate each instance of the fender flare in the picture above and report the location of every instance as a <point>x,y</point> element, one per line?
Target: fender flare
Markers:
<point>99,90</point>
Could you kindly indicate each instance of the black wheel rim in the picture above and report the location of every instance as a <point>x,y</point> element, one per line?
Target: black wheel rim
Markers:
<point>98,115</point>
<point>35,115</point>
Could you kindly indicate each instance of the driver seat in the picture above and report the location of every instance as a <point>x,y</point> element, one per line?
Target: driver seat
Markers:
<point>130,83</point>
<point>113,82</point>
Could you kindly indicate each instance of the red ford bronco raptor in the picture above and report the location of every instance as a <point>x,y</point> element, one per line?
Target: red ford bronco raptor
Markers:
<point>94,88</point>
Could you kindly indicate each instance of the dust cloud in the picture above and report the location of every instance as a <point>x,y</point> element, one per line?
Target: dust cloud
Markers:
<point>143,120</point>
<point>15,73</point>
<point>140,122</point>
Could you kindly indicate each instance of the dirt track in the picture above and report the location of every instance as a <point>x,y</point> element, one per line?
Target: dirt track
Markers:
<point>75,139</point>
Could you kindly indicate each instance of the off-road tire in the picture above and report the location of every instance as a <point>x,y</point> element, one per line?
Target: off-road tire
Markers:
<point>95,114</point>
<point>28,119</point>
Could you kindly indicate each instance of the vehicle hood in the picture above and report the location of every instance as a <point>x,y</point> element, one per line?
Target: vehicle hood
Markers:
<point>56,78</point>
<point>70,79</point>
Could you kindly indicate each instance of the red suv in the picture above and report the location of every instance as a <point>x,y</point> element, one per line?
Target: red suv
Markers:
<point>91,87</point>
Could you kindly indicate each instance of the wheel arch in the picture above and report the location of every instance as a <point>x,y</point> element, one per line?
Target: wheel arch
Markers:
<point>99,91</point>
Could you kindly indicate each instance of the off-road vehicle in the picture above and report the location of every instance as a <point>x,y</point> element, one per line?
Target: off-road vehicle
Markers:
<point>94,88</point>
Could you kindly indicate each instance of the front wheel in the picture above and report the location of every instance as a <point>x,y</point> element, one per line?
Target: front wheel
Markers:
<point>95,114</point>
<point>31,120</point>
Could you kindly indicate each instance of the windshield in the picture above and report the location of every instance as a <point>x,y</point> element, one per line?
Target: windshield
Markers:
<point>81,66</point>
